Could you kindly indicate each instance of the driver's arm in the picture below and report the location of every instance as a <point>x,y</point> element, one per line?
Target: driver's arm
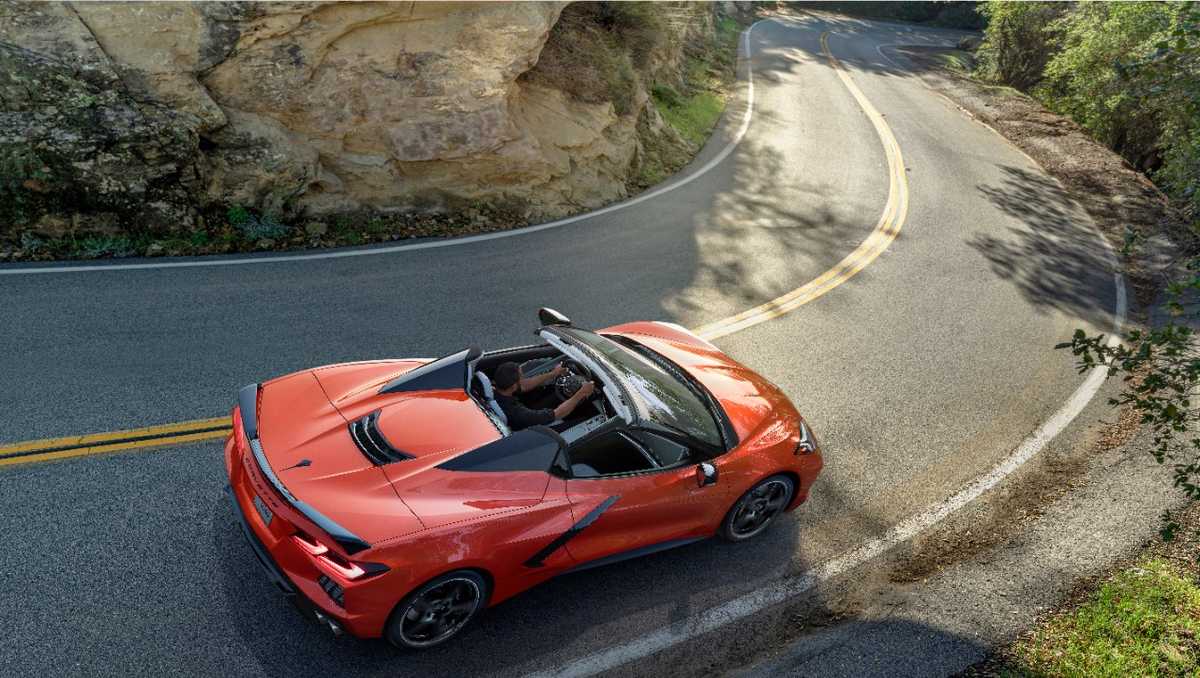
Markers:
<point>530,383</point>
<point>565,407</point>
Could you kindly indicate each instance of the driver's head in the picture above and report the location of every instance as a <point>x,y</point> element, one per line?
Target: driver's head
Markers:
<point>507,376</point>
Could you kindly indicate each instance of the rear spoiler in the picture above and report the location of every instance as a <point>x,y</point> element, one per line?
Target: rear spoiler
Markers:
<point>248,406</point>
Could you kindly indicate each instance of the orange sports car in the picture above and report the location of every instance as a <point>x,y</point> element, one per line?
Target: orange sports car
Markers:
<point>391,498</point>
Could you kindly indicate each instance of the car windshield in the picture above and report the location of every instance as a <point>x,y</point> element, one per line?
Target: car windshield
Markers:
<point>662,397</point>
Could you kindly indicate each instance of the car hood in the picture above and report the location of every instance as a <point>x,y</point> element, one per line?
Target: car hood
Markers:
<point>749,400</point>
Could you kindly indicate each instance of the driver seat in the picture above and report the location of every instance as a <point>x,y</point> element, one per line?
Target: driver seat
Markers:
<point>489,396</point>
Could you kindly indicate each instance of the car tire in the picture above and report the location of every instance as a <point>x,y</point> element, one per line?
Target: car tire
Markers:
<point>437,611</point>
<point>760,506</point>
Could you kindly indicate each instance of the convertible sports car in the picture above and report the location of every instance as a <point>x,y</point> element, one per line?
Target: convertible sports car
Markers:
<point>391,499</point>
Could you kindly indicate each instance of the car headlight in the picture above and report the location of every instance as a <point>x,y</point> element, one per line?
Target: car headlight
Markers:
<point>808,441</point>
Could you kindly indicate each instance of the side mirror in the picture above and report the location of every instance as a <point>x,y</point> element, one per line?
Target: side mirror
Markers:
<point>549,317</point>
<point>706,474</point>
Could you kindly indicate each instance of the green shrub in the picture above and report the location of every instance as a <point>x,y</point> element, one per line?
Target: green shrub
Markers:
<point>253,227</point>
<point>31,243</point>
<point>960,15</point>
<point>1180,172</point>
<point>105,246</point>
<point>666,95</point>
<point>1084,79</point>
<point>238,215</point>
<point>941,13</point>
<point>1019,40</point>
<point>694,116</point>
<point>590,53</point>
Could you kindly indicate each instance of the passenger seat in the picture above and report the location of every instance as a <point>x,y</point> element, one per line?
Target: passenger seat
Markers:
<point>489,396</point>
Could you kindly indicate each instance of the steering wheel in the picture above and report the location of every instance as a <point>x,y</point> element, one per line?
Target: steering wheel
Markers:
<point>567,383</point>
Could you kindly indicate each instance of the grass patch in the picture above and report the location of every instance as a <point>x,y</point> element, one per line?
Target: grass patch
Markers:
<point>706,76</point>
<point>957,60</point>
<point>1145,621</point>
<point>692,109</point>
<point>693,116</point>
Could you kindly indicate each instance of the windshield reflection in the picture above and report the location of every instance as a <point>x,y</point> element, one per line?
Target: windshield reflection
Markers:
<point>659,396</point>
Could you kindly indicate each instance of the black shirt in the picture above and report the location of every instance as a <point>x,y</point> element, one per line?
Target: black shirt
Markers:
<point>520,416</point>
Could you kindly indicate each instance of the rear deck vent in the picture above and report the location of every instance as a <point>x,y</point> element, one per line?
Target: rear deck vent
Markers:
<point>366,434</point>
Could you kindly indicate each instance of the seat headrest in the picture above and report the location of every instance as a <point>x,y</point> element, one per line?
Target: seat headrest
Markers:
<point>583,471</point>
<point>486,384</point>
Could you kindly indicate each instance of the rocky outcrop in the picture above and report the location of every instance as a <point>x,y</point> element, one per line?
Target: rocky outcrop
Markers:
<point>300,108</point>
<point>78,155</point>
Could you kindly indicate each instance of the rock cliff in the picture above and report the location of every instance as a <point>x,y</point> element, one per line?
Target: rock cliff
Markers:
<point>141,115</point>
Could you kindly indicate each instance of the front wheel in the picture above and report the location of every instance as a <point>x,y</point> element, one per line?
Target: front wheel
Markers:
<point>437,611</point>
<point>758,508</point>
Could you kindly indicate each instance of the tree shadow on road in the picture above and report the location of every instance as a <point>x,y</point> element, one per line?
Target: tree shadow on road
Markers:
<point>769,233</point>
<point>1053,255</point>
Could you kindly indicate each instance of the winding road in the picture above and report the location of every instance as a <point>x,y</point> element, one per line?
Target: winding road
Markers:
<point>922,369</point>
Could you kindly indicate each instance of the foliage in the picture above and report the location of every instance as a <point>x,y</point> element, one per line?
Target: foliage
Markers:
<point>1084,79</point>
<point>941,13</point>
<point>1171,77</point>
<point>592,51</point>
<point>255,227</point>
<point>30,242</point>
<point>106,246</point>
<point>1129,73</point>
<point>1154,53</point>
<point>19,167</point>
<point>1019,40</point>
<point>1145,621</point>
<point>1160,368</point>
<point>694,116</point>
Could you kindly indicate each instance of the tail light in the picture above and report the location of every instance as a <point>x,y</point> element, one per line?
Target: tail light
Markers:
<point>808,441</point>
<point>312,546</point>
<point>333,564</point>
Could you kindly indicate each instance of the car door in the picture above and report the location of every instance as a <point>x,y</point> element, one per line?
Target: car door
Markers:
<point>624,515</point>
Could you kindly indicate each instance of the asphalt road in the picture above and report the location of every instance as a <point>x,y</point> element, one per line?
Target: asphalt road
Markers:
<point>918,374</point>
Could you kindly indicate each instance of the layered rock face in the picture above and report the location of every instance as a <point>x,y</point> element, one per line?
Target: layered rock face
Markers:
<point>297,108</point>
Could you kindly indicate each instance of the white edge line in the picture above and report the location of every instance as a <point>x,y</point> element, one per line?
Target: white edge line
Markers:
<point>785,589</point>
<point>447,242</point>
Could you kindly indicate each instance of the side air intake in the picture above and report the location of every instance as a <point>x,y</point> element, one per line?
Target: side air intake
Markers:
<point>366,434</point>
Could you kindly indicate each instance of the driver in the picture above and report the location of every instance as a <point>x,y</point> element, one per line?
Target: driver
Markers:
<point>509,383</point>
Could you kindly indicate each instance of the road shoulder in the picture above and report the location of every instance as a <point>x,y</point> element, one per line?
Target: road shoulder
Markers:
<point>927,614</point>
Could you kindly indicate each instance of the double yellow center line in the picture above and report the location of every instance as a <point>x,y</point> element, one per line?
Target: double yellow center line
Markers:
<point>885,231</point>
<point>890,222</point>
<point>114,441</point>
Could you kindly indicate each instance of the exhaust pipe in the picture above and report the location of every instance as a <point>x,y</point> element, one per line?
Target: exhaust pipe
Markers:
<point>334,627</point>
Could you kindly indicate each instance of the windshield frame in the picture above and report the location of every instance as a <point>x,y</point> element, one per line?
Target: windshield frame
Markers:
<point>724,429</point>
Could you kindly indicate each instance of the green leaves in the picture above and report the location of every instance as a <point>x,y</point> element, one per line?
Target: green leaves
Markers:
<point>1160,367</point>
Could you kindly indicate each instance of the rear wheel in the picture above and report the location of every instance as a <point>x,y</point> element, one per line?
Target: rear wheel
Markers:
<point>758,508</point>
<point>437,611</point>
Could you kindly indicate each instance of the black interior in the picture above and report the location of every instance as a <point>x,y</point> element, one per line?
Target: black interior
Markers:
<point>607,454</point>
<point>493,359</point>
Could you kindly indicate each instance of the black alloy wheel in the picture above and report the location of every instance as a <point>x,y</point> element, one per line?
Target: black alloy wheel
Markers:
<point>758,508</point>
<point>437,611</point>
